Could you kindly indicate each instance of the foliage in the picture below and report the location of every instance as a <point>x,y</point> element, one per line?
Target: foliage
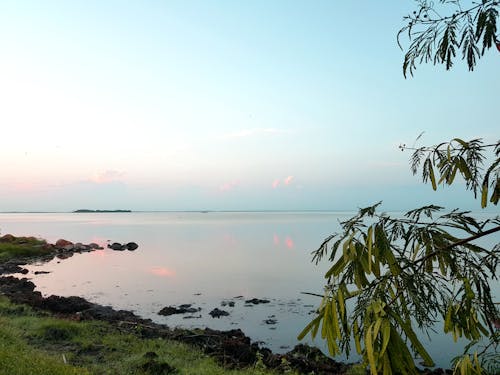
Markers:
<point>439,30</point>
<point>21,247</point>
<point>466,158</point>
<point>406,274</point>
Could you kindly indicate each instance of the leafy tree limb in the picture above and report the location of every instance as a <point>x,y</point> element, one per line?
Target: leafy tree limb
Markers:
<point>470,29</point>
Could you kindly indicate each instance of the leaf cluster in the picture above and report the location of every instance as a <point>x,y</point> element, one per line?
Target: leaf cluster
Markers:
<point>466,30</point>
<point>441,163</point>
<point>405,273</point>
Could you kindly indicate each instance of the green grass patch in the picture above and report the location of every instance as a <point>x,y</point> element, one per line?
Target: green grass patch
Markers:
<point>33,342</point>
<point>21,247</point>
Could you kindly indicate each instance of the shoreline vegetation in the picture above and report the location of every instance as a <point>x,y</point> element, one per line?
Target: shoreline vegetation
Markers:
<point>70,335</point>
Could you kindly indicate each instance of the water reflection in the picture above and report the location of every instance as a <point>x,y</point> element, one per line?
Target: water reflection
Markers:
<point>203,259</point>
<point>162,271</point>
<point>288,242</point>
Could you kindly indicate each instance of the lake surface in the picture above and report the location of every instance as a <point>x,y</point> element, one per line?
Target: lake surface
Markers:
<point>204,259</point>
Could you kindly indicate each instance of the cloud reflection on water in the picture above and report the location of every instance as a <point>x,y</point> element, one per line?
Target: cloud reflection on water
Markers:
<point>162,271</point>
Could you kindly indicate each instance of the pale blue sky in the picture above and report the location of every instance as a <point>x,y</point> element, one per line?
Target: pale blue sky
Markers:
<point>165,105</point>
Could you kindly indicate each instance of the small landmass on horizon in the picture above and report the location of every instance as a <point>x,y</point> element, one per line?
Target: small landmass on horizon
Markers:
<point>85,210</point>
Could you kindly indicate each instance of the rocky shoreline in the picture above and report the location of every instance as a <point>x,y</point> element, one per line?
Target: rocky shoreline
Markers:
<point>231,348</point>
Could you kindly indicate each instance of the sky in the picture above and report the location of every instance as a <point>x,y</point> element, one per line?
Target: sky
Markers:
<point>224,105</point>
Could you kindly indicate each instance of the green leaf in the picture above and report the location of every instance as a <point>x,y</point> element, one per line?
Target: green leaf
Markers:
<point>386,335</point>
<point>431,176</point>
<point>370,350</point>
<point>313,324</point>
<point>406,326</point>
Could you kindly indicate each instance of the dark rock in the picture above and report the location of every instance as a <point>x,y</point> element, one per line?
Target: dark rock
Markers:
<point>10,285</point>
<point>9,267</point>
<point>132,246</point>
<point>65,305</point>
<point>192,317</point>
<point>227,303</point>
<point>257,301</point>
<point>216,313</point>
<point>7,238</point>
<point>232,348</point>
<point>109,314</point>
<point>116,246</point>
<point>270,321</point>
<point>61,243</point>
<point>41,272</point>
<point>68,248</point>
<point>64,255</point>
<point>182,309</point>
<point>306,359</point>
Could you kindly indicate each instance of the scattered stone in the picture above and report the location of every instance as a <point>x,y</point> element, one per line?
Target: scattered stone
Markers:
<point>8,268</point>
<point>227,303</point>
<point>62,243</point>
<point>119,247</point>
<point>257,301</point>
<point>216,313</point>
<point>65,305</point>
<point>7,238</point>
<point>41,272</point>
<point>116,246</point>
<point>270,321</point>
<point>182,309</point>
<point>192,317</point>
<point>132,246</point>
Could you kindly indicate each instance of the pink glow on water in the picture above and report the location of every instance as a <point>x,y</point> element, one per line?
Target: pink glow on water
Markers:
<point>276,240</point>
<point>162,272</point>
<point>289,243</point>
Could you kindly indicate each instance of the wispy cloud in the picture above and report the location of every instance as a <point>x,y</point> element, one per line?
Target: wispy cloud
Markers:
<point>254,132</point>
<point>107,176</point>
<point>287,181</point>
<point>228,186</point>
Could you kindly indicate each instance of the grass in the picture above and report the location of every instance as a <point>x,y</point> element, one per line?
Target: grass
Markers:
<point>21,247</point>
<point>32,342</point>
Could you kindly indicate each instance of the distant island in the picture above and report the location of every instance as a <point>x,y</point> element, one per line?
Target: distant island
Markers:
<point>99,211</point>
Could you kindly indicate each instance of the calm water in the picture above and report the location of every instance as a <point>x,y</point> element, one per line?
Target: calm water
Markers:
<point>199,258</point>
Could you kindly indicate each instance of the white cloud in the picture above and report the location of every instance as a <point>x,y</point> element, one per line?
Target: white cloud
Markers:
<point>107,176</point>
